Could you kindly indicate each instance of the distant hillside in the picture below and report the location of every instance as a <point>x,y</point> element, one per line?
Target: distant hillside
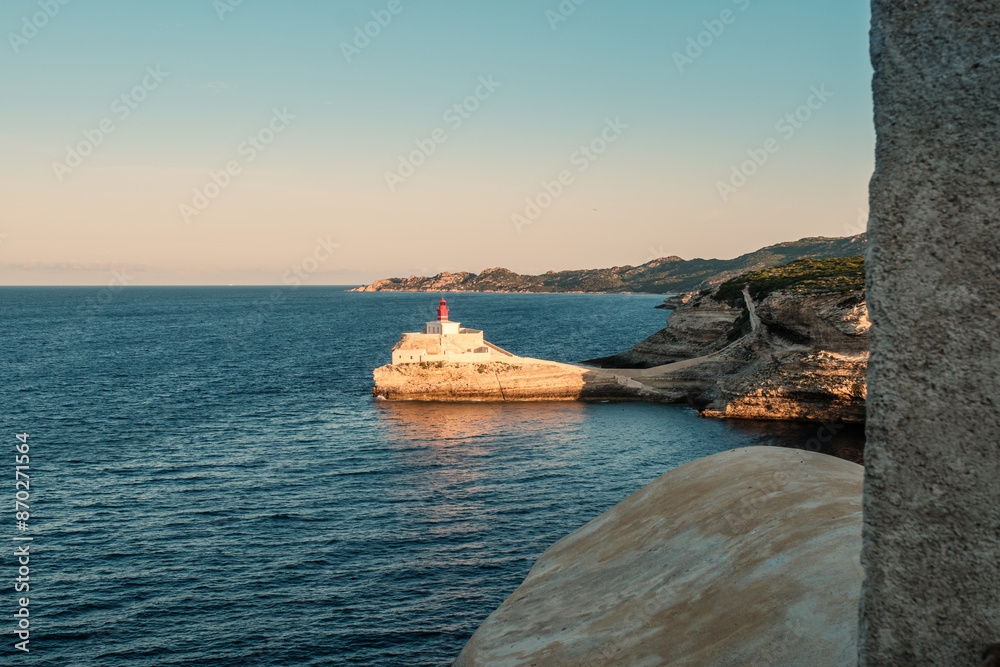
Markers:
<point>661,276</point>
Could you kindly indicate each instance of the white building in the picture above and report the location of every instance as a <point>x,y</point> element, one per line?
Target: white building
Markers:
<point>444,340</point>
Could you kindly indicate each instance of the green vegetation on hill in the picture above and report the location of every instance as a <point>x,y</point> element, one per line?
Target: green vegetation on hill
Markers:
<point>665,275</point>
<point>808,276</point>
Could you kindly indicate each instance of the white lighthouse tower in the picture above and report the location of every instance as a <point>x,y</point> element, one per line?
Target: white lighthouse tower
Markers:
<point>442,326</point>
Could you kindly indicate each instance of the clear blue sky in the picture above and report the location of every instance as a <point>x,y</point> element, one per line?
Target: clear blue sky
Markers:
<point>655,190</point>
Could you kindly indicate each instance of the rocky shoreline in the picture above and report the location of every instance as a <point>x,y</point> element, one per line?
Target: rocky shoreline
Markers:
<point>806,361</point>
<point>798,353</point>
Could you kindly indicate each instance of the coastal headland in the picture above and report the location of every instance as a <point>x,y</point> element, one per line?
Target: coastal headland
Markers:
<point>789,343</point>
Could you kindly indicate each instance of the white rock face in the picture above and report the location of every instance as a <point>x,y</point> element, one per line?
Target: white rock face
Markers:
<point>695,329</point>
<point>749,557</point>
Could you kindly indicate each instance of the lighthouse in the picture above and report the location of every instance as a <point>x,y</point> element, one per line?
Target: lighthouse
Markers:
<point>443,341</point>
<point>442,326</point>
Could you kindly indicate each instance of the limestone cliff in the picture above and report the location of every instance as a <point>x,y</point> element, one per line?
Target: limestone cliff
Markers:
<point>806,359</point>
<point>696,328</point>
<point>749,557</point>
<point>519,379</point>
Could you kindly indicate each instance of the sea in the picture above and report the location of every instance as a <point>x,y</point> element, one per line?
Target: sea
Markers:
<point>210,481</point>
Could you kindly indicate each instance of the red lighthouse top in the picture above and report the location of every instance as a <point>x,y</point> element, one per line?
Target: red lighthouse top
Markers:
<point>442,311</point>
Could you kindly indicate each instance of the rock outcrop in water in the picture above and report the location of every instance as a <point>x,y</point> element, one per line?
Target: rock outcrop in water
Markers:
<point>674,301</point>
<point>519,379</point>
<point>749,557</point>
<point>801,353</point>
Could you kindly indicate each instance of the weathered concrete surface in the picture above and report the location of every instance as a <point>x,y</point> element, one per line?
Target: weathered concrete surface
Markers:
<point>932,494</point>
<point>749,557</point>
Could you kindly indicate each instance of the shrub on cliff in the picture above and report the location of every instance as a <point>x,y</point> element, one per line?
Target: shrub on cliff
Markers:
<point>804,276</point>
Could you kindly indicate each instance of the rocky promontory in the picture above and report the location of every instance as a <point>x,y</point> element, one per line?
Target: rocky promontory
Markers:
<point>749,557</point>
<point>785,343</point>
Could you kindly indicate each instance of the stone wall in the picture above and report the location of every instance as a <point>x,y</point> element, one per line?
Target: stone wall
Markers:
<point>437,344</point>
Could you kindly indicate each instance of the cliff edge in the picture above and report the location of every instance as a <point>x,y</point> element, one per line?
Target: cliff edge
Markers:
<point>789,342</point>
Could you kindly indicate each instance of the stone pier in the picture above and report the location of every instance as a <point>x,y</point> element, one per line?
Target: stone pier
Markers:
<point>932,490</point>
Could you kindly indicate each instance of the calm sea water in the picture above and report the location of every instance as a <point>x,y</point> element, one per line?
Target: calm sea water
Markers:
<point>211,482</point>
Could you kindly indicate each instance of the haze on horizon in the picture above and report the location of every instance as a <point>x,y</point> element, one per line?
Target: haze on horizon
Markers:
<point>226,142</point>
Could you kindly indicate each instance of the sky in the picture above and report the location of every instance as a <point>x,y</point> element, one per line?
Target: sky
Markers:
<point>220,142</point>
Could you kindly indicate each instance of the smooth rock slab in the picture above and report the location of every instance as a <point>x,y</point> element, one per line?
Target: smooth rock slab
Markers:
<point>749,557</point>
